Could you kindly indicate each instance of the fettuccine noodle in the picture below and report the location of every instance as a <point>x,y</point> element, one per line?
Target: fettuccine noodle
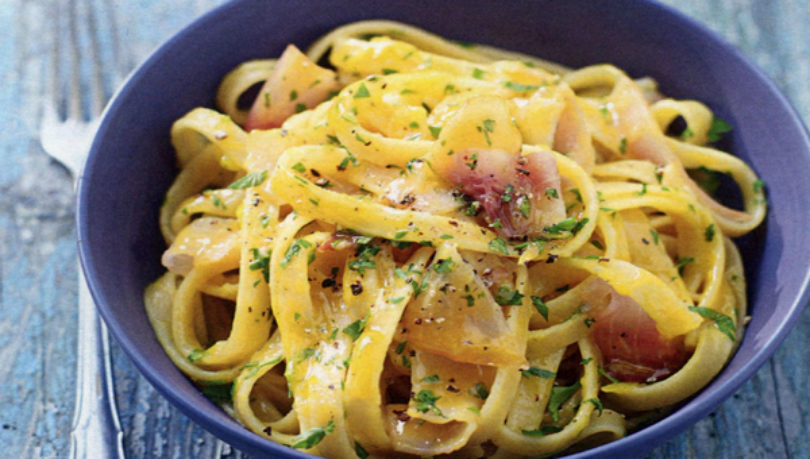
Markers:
<point>441,248</point>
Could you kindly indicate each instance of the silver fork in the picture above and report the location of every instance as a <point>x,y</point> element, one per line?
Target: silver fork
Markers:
<point>70,118</point>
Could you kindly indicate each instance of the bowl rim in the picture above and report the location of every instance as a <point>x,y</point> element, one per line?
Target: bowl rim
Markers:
<point>645,439</point>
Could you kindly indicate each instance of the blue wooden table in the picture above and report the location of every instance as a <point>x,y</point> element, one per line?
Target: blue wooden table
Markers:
<point>767,417</point>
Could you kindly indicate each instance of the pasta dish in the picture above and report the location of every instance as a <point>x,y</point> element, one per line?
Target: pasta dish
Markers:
<point>394,244</point>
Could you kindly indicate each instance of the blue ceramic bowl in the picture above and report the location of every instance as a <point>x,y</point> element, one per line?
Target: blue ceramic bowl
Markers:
<point>132,164</point>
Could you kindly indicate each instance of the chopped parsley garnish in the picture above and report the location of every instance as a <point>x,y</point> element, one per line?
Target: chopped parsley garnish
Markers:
<point>444,265</point>
<point>758,185</point>
<point>473,163</point>
<point>607,375</point>
<point>195,355</point>
<point>507,193</point>
<point>486,127</point>
<point>538,372</point>
<point>311,437</point>
<point>261,261</point>
<point>541,432</point>
<point>250,180</point>
<point>218,393</point>
<point>518,87</point>
<point>597,403</point>
<point>654,235</point>
<point>401,347</point>
<point>431,379</point>
<point>541,306</point>
<point>569,224</point>
<point>552,193</point>
<point>717,129</point>
<point>388,71</point>
<point>362,91</point>
<point>355,329</point>
<point>426,400</point>
<point>361,265</point>
<point>724,322</point>
<point>435,131</point>
<point>508,297</point>
<point>478,74</point>
<point>682,262</point>
<point>559,395</point>
<point>623,145</point>
<point>350,158</point>
<point>300,108</point>
<point>299,167</point>
<point>710,231</point>
<point>358,448</point>
<point>294,248</point>
<point>481,391</point>
<point>293,94</point>
<point>498,245</point>
<point>524,206</point>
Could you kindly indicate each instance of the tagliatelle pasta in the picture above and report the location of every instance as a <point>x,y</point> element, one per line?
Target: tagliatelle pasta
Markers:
<point>432,248</point>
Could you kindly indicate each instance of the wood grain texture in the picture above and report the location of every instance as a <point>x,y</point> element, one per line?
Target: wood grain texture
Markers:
<point>768,417</point>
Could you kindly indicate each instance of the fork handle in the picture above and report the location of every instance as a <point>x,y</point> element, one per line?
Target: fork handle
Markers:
<point>96,431</point>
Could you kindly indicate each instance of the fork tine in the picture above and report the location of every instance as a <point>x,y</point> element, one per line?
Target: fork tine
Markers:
<point>97,92</point>
<point>74,96</point>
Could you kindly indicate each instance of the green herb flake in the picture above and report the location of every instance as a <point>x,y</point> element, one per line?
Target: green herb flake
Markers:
<point>218,393</point>
<point>607,375</point>
<point>724,322</point>
<point>389,71</point>
<point>261,262</point>
<point>478,74</point>
<point>597,403</point>
<point>498,245</point>
<point>623,145</point>
<point>710,231</point>
<point>435,131</point>
<point>759,185</point>
<point>362,92</point>
<point>538,373</point>
<point>299,167</point>
<point>682,262</point>
<point>654,235</point>
<point>486,127</point>
<point>717,129</point>
<point>541,306</point>
<point>293,94</point>
<point>360,451</point>
<point>559,395</point>
<point>355,329</point>
<point>431,379</point>
<point>196,355</point>
<point>401,347</point>
<point>480,390</point>
<point>518,87</point>
<point>444,265</point>
<point>508,297</point>
<point>552,193</point>
<point>300,108</point>
<point>294,248</point>
<point>425,401</point>
<point>525,206</point>
<point>311,437</point>
<point>250,180</point>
